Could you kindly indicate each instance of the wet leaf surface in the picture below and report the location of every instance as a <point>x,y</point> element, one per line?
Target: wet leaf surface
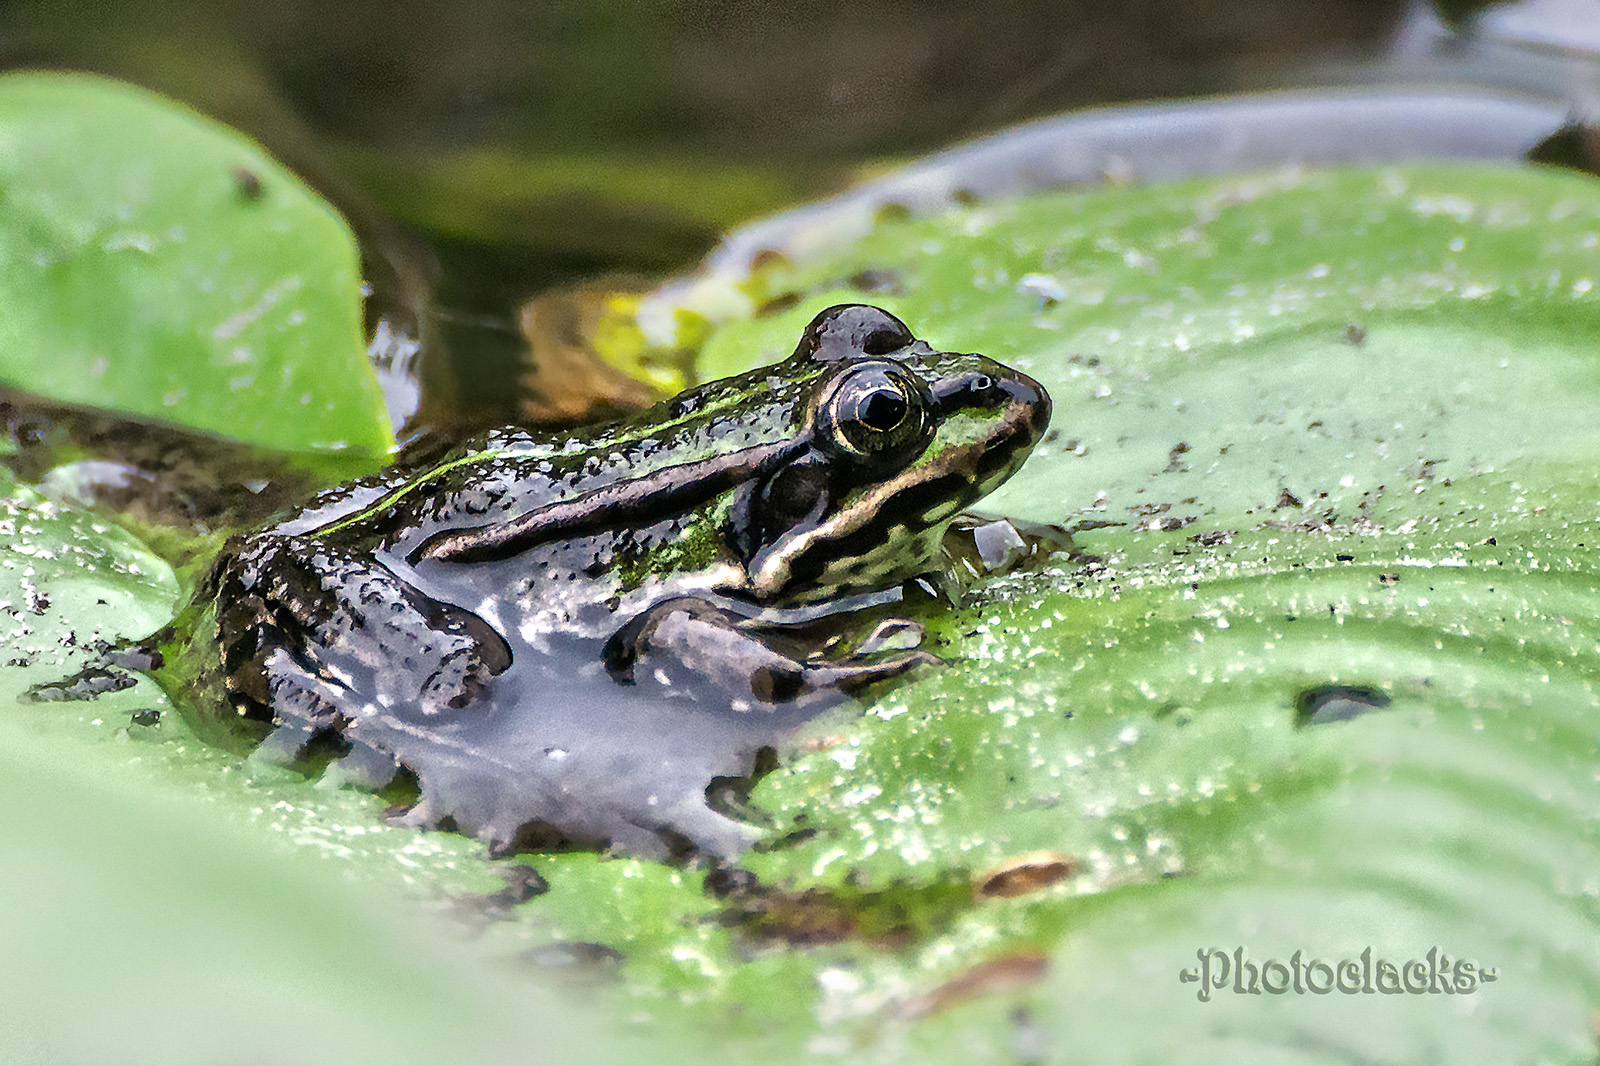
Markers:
<point>1329,439</point>
<point>225,295</point>
<point>1344,426</point>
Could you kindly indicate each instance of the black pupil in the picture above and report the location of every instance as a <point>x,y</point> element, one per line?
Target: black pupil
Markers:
<point>882,409</point>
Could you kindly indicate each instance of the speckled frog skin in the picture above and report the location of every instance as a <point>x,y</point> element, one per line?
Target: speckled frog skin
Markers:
<point>575,635</point>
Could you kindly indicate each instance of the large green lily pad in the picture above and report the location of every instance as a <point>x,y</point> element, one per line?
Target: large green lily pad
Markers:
<point>156,263</point>
<point>1328,688</point>
<point>1345,424</point>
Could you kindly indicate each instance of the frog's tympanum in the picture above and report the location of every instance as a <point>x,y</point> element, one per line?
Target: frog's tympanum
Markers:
<point>576,635</point>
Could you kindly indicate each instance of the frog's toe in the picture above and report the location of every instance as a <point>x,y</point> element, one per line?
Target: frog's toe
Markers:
<point>852,675</point>
<point>695,828</point>
<point>362,767</point>
<point>424,814</point>
<point>637,842</point>
<point>891,634</point>
<point>285,744</point>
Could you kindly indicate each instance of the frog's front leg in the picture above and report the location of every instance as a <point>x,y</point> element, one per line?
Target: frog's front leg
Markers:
<point>306,705</point>
<point>335,642</point>
<point>748,661</point>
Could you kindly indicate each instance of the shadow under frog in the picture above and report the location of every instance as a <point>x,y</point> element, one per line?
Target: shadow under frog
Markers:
<point>581,632</point>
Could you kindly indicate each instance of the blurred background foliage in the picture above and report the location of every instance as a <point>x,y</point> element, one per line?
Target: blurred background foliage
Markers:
<point>490,149</point>
<point>584,136</point>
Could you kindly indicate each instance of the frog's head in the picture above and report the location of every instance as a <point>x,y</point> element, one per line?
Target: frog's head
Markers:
<point>895,440</point>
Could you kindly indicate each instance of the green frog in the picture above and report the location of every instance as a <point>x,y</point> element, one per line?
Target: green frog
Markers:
<point>570,638</point>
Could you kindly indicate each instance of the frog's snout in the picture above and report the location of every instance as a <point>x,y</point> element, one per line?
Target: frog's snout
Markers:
<point>1034,401</point>
<point>1025,417</point>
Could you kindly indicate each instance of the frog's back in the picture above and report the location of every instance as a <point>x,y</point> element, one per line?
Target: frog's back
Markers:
<point>513,471</point>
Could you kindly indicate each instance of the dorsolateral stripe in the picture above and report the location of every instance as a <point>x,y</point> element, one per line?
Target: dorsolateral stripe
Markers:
<point>667,491</point>
<point>411,487</point>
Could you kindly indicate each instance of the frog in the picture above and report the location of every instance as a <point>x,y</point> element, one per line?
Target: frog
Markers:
<point>570,638</point>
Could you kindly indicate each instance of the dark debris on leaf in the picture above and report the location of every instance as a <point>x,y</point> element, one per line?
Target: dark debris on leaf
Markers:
<point>1005,974</point>
<point>86,684</point>
<point>580,961</point>
<point>523,883</point>
<point>1337,703</point>
<point>248,184</point>
<point>728,882</point>
<point>890,918</point>
<point>1024,875</point>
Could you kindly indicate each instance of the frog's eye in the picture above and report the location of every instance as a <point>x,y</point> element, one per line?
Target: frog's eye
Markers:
<point>874,411</point>
<point>849,331</point>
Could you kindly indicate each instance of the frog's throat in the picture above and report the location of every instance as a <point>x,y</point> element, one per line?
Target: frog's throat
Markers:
<point>675,488</point>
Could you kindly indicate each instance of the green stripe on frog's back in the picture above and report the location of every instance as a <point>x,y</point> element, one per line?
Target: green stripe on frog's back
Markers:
<point>716,409</point>
<point>663,491</point>
<point>410,488</point>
